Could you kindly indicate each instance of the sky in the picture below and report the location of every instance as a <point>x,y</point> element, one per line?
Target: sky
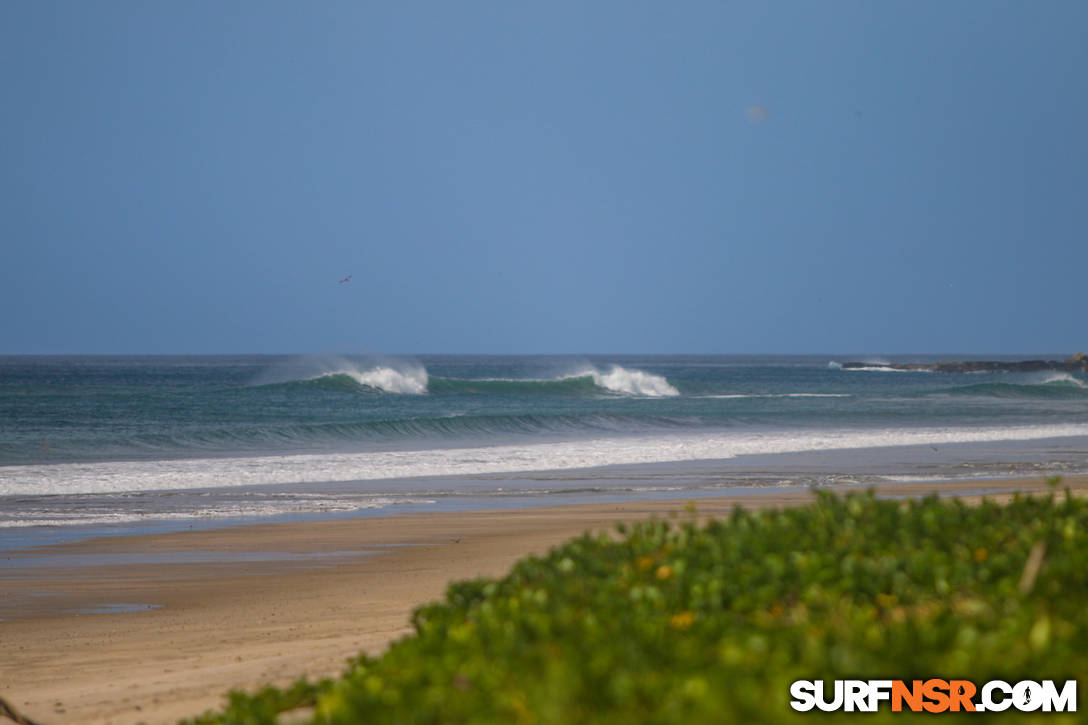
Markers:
<point>543,177</point>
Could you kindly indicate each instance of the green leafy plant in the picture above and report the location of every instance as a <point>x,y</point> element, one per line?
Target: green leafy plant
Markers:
<point>681,623</point>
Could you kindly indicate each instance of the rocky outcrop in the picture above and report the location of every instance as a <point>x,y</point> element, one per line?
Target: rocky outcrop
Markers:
<point>1076,363</point>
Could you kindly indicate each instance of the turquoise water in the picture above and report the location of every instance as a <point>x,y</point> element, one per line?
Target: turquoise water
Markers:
<point>97,440</point>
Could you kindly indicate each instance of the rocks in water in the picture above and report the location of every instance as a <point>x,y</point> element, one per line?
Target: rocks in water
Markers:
<point>1076,363</point>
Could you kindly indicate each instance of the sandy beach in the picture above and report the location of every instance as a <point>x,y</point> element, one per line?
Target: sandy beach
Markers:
<point>154,628</point>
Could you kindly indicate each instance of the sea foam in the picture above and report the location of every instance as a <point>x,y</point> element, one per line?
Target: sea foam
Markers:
<point>160,475</point>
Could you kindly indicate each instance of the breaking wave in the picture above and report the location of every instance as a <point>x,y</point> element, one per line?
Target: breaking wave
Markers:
<point>1049,386</point>
<point>633,382</point>
<point>412,379</point>
<point>401,377</point>
<point>615,379</point>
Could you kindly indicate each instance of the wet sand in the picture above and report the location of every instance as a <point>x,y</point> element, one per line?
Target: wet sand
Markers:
<point>155,628</point>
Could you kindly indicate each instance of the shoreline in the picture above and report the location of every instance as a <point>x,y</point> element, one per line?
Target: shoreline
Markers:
<point>72,517</point>
<point>157,627</point>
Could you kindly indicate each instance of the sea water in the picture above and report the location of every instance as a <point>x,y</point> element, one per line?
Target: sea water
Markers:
<point>177,441</point>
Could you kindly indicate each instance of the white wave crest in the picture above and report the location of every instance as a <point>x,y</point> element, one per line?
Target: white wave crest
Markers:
<point>632,382</point>
<point>385,374</point>
<point>408,379</point>
<point>617,379</point>
<point>1062,379</point>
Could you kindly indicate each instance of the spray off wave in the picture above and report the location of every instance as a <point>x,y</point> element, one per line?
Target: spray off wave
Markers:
<point>614,380</point>
<point>232,436</point>
<point>410,378</point>
<point>400,377</point>
<point>632,382</point>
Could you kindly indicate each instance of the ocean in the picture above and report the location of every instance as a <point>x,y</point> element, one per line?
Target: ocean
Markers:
<point>92,445</point>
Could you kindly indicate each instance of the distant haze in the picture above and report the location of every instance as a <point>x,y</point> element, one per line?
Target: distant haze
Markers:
<point>549,177</point>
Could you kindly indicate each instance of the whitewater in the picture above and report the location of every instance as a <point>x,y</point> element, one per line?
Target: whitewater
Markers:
<point>406,378</point>
<point>167,475</point>
<point>90,440</point>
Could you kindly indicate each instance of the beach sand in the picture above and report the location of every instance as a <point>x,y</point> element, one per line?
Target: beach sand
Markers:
<point>155,628</point>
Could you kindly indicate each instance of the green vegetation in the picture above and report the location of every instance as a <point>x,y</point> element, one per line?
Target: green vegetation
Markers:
<point>676,623</point>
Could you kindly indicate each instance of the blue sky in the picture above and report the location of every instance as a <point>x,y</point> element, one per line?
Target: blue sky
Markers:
<point>195,177</point>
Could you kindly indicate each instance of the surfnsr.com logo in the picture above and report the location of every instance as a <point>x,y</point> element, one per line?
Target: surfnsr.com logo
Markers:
<point>934,695</point>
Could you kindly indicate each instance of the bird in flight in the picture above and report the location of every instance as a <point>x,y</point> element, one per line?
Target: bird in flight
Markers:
<point>345,279</point>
